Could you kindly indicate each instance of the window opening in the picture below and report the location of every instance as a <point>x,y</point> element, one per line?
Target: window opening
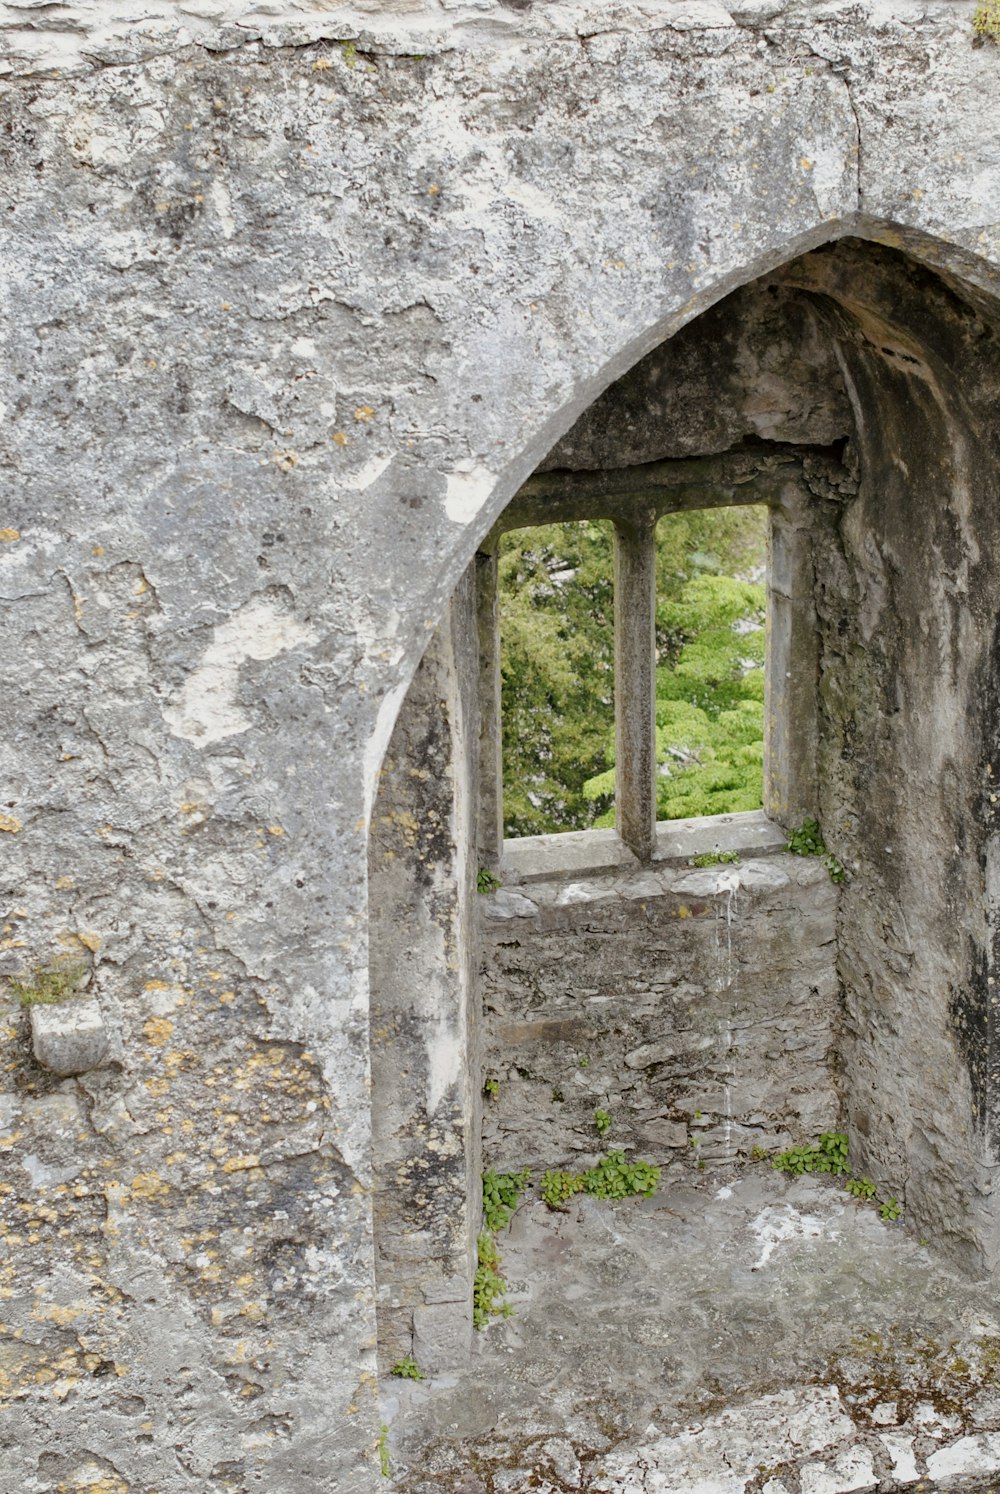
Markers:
<point>704,665</point>
<point>556,604</point>
<point>711,571</point>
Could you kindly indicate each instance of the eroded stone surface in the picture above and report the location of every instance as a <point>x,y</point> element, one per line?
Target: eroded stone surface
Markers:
<point>651,1352</point>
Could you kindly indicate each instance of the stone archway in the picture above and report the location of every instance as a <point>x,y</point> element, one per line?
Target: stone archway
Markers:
<point>893,643</point>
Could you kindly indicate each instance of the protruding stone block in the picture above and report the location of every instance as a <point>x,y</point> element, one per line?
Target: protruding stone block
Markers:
<point>69,1037</point>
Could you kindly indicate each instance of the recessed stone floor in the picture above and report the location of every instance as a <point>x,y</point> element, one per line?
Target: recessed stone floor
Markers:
<point>742,1332</point>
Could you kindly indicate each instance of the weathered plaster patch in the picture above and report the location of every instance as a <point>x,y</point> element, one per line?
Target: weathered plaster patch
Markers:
<point>469,486</point>
<point>207,709</point>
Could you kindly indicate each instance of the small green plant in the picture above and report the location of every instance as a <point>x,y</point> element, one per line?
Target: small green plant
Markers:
<point>715,858</point>
<point>862,1188</point>
<point>407,1368</point>
<point>491,1087</point>
<point>890,1211</point>
<point>986,20</point>
<point>487,881</point>
<point>557,1188</point>
<point>349,51</point>
<point>585,1063</point>
<point>612,1177</point>
<point>758,1153</point>
<point>501,1191</point>
<point>602,1120</point>
<point>48,984</point>
<point>808,840</point>
<point>383,1451</point>
<point>828,1154</point>
<point>488,1286</point>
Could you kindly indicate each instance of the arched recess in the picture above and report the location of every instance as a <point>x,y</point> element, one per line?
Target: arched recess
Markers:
<point>902,564</point>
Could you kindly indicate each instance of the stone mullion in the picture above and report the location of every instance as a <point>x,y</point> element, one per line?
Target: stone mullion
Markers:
<point>490,829</point>
<point>635,684</point>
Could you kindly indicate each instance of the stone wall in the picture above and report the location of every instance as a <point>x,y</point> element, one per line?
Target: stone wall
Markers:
<point>700,1008</point>
<point>424,1007</point>
<point>286,323</point>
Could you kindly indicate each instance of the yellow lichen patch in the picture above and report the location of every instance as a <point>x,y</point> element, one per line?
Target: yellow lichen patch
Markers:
<point>9,536</point>
<point>363,414</point>
<point>98,551</point>
<point>241,1164</point>
<point>64,884</point>
<point>276,830</point>
<point>157,1030</point>
<point>62,1314</point>
<point>157,985</point>
<point>339,438</point>
<point>10,823</point>
<point>225,997</point>
<point>157,1086</point>
<point>90,941</point>
<point>88,1478</point>
<point>148,1185</point>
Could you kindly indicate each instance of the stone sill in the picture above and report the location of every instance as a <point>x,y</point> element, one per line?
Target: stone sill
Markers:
<point>592,852</point>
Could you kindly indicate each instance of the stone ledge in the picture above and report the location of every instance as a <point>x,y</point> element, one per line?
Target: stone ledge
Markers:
<point>592,852</point>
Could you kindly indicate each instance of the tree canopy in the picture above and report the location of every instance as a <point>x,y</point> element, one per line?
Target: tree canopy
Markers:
<point>557,669</point>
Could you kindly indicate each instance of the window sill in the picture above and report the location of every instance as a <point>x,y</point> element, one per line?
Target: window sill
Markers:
<point>590,852</point>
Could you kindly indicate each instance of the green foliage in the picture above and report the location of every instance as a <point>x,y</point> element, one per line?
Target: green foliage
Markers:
<point>612,1177</point>
<point>808,840</point>
<point>986,20</point>
<point>501,1191</point>
<point>715,858</point>
<point>487,881</point>
<point>828,1154</point>
<point>557,1188</point>
<point>383,1451</point>
<point>602,1120</point>
<point>407,1368</point>
<point>488,1285</point>
<point>557,670</point>
<point>491,1087</point>
<point>48,984</point>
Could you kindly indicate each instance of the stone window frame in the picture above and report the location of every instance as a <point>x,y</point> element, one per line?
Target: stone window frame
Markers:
<point>787,480</point>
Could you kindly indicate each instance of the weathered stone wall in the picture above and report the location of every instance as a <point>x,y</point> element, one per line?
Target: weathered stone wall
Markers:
<point>700,1008</point>
<point>285,325</point>
<point>425,1006</point>
<point>907,592</point>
